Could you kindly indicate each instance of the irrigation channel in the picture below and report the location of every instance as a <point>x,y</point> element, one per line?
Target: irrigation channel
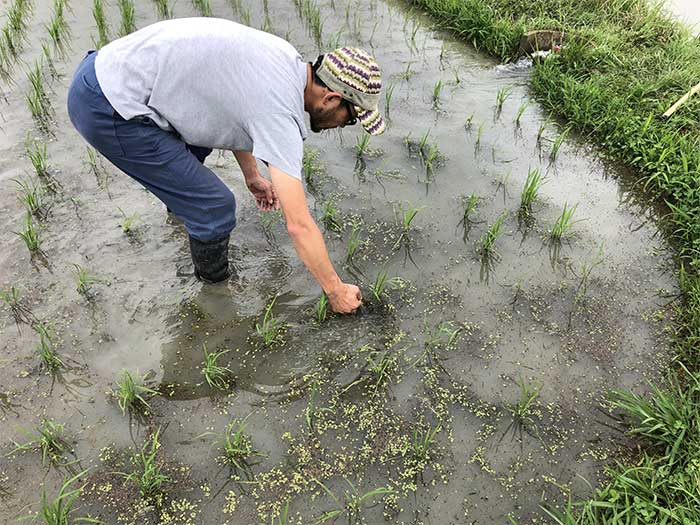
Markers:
<point>473,392</point>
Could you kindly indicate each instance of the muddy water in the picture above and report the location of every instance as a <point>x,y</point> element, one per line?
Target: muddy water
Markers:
<point>526,318</point>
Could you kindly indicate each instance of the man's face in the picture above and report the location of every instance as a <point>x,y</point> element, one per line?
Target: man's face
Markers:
<point>333,112</point>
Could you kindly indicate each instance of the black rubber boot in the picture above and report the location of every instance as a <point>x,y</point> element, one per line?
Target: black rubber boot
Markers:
<point>210,259</point>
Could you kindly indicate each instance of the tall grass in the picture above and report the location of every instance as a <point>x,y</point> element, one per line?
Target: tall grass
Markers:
<point>127,24</point>
<point>98,13</point>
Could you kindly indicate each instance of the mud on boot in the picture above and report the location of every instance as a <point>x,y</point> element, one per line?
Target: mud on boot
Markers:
<point>210,259</point>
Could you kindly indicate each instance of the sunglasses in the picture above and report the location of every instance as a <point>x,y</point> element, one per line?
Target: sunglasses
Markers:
<point>351,111</point>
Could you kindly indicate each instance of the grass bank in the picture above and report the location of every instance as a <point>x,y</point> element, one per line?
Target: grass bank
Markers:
<point>625,62</point>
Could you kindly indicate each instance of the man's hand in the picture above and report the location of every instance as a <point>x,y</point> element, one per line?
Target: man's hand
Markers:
<point>345,298</point>
<point>263,192</point>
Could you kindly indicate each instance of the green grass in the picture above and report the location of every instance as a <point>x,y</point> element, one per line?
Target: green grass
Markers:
<point>217,376</point>
<point>127,22</point>
<point>98,13</point>
<point>321,308</point>
<point>623,65</point>
<point>148,473</point>
<point>563,226</point>
<point>530,191</point>
<point>31,235</point>
<point>59,510</point>
<point>270,329</point>
<point>47,347</point>
<point>130,393</point>
<point>487,244</point>
<point>49,439</point>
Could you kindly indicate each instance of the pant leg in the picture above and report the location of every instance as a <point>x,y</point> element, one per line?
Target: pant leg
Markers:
<point>157,159</point>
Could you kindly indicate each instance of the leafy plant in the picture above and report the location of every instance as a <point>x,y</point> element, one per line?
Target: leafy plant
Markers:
<point>331,218</point>
<point>563,226</point>
<point>470,204</point>
<point>321,308</point>
<point>148,474</point>
<point>501,95</point>
<point>47,347</point>
<point>217,376</point>
<point>84,282</point>
<point>270,329</point>
<point>58,510</point>
<point>351,504</point>
<point>486,246</point>
<point>49,439</point>
<point>130,393</point>
<point>530,190</point>
<point>31,236</point>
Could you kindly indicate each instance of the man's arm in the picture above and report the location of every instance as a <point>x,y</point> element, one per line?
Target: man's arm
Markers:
<point>309,243</point>
<point>262,190</point>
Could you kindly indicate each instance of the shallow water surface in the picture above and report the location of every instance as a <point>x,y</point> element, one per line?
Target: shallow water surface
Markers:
<point>502,362</point>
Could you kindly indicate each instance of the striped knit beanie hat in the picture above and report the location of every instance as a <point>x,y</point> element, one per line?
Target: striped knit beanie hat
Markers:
<point>354,73</point>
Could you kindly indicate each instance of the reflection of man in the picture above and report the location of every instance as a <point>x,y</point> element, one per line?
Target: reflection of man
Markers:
<point>157,101</point>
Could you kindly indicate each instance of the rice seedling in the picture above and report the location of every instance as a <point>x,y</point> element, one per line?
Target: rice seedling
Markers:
<point>456,77</point>
<point>268,220</point>
<point>557,144</point>
<point>236,448</point>
<point>235,6</point>
<point>362,145</point>
<point>31,195</point>
<point>470,204</point>
<point>407,73</point>
<point>532,186</point>
<point>311,169</point>
<point>381,366</point>
<point>503,183</point>
<point>267,25</point>
<point>282,517</point>
<point>382,284</point>
<point>38,101</point>
<point>586,271</point>
<point>127,24</point>
<point>312,411</point>
<point>130,393</point>
<point>388,94</point>
<point>479,133</point>
<point>246,17</point>
<point>437,89</point>
<point>217,376</point>
<point>203,7</point>
<point>59,510</point>
<point>422,447</point>
<point>84,282</point>
<point>331,219</point>
<point>334,40</point>
<point>407,218</point>
<point>431,160</point>
<point>58,29</point>
<point>351,505</point>
<point>521,111</point>
<point>270,329</point>
<point>522,409</point>
<point>540,131</point>
<point>354,243</point>
<point>19,311</point>
<point>49,439</point>
<point>98,13</point>
<point>501,96</point>
<point>163,9</point>
<point>128,222</point>
<point>47,56</point>
<point>148,473</point>
<point>31,236</point>
<point>36,151</point>
<point>468,123</point>
<point>321,308</point>
<point>563,226</point>
<point>47,347</point>
<point>486,245</point>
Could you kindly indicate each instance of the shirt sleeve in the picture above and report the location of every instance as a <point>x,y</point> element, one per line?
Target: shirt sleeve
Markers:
<point>277,140</point>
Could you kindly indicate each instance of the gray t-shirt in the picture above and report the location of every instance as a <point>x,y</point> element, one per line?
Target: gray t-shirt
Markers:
<point>218,84</point>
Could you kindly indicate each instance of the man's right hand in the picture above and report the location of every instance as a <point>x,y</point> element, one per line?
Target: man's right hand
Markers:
<point>345,298</point>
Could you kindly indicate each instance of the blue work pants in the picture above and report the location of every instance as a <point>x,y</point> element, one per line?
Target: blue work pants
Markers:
<point>159,160</point>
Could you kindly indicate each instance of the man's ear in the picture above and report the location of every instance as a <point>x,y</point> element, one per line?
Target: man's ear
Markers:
<point>332,97</point>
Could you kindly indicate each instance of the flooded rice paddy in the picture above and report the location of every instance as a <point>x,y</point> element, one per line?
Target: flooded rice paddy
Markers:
<point>472,392</point>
